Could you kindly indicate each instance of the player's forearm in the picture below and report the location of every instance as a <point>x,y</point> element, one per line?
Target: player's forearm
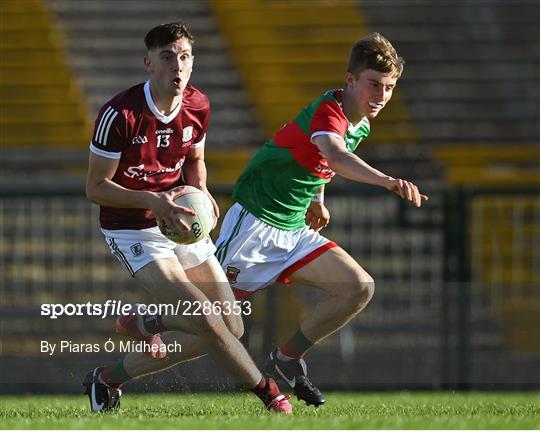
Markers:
<point>195,173</point>
<point>350,166</point>
<point>110,194</point>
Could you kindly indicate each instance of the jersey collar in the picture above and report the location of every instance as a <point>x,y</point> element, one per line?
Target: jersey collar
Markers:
<point>353,128</point>
<point>150,102</point>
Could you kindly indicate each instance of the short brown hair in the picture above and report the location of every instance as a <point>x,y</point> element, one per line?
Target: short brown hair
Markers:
<point>375,52</point>
<point>164,34</point>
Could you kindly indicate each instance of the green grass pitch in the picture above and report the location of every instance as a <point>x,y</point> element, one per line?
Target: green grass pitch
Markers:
<point>243,411</point>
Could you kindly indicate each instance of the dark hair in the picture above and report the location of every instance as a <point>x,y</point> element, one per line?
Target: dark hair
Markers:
<point>165,34</point>
<point>375,52</point>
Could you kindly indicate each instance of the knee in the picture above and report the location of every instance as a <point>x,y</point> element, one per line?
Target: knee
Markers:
<point>216,326</point>
<point>360,292</point>
<point>236,326</point>
<point>208,325</point>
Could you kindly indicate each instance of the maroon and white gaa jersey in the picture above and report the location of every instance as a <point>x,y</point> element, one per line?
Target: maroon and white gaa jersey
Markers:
<point>150,146</point>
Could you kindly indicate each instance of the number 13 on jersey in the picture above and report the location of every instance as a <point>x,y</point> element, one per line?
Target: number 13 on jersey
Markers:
<point>163,141</point>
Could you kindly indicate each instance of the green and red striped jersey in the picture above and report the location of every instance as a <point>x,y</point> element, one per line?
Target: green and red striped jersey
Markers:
<point>280,180</point>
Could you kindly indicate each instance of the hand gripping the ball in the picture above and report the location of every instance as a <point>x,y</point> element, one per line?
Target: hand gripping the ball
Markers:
<point>168,213</point>
<point>193,213</point>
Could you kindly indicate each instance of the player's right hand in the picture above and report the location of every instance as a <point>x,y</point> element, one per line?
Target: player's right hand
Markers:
<point>406,190</point>
<point>166,211</point>
<point>317,216</point>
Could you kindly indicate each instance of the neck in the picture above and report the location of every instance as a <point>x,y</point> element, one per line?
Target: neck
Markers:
<point>349,107</point>
<point>164,103</point>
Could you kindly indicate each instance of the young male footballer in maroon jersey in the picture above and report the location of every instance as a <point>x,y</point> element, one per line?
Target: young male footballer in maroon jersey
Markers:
<point>148,141</point>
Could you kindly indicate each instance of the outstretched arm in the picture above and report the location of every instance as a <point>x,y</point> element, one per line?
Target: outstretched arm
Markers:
<point>350,166</point>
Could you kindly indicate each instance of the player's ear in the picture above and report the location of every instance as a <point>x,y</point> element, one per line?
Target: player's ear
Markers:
<point>349,78</point>
<point>147,64</point>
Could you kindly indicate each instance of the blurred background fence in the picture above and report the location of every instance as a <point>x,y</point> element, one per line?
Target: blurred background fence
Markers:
<point>456,305</point>
<point>457,299</point>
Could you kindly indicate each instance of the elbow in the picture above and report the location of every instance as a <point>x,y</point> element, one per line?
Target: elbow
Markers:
<point>91,193</point>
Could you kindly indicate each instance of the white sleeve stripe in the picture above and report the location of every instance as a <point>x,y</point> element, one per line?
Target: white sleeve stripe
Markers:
<point>199,143</point>
<point>319,133</point>
<point>101,122</point>
<point>109,155</point>
<point>105,126</point>
<point>104,121</point>
<point>108,127</point>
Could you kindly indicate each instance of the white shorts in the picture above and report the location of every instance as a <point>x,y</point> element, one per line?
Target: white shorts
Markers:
<point>136,248</point>
<point>254,254</point>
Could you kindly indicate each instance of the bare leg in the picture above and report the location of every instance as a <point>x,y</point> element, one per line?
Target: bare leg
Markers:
<point>139,364</point>
<point>168,282</point>
<point>349,289</point>
<point>214,334</point>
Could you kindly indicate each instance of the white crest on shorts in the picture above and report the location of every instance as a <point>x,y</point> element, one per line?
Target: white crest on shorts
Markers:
<point>187,134</point>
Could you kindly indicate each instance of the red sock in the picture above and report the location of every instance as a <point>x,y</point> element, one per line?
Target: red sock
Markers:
<point>296,346</point>
<point>267,390</point>
<point>114,375</point>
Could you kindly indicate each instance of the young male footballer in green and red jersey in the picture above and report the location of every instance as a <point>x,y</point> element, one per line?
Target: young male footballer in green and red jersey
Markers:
<point>271,233</point>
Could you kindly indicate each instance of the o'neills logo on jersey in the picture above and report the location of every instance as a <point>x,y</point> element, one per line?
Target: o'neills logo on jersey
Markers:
<point>164,131</point>
<point>187,134</point>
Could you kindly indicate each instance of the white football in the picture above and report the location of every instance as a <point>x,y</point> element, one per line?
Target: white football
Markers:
<point>200,225</point>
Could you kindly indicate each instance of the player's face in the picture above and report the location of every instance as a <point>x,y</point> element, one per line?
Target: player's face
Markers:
<point>170,66</point>
<point>371,91</point>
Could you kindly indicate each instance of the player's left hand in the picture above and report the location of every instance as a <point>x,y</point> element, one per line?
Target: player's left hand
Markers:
<point>406,190</point>
<point>317,216</point>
